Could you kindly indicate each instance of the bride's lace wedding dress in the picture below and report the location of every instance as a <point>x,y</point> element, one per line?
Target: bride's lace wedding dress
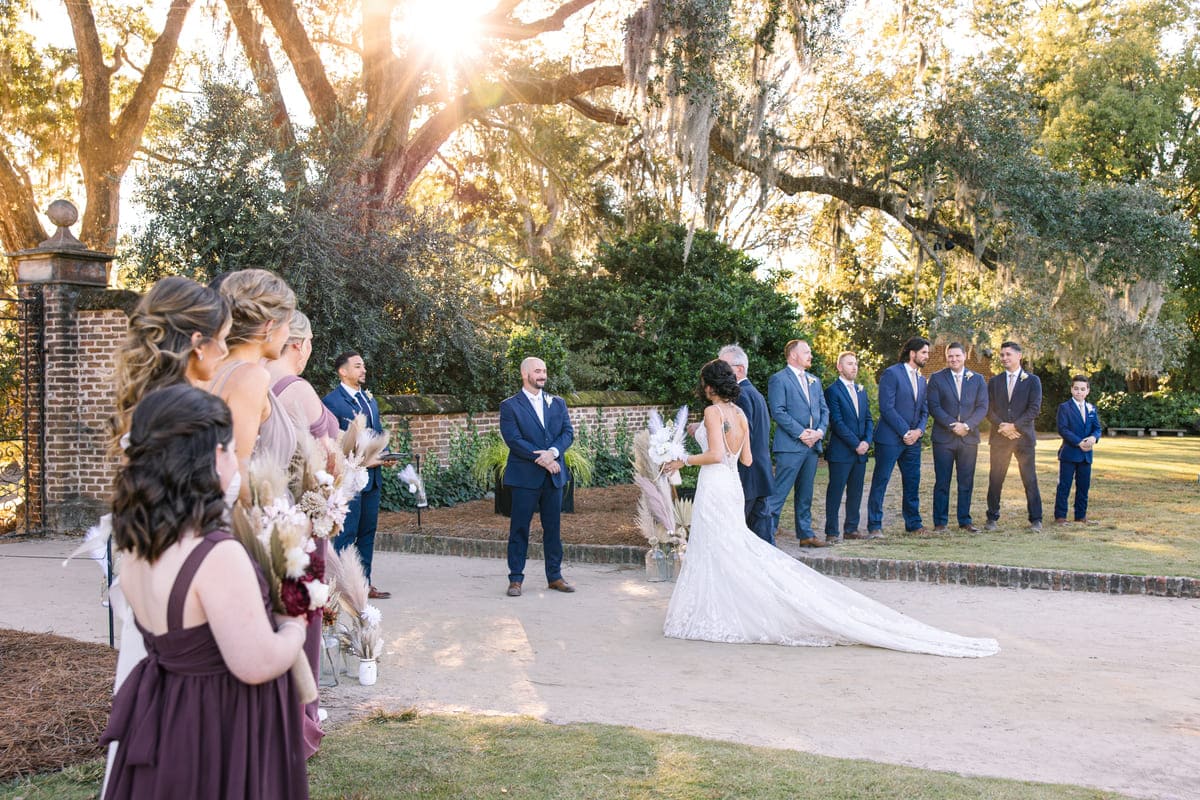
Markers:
<point>735,587</point>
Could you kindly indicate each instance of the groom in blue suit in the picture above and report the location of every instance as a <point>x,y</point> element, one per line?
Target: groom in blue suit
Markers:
<point>958,402</point>
<point>903,414</point>
<point>851,431</point>
<point>801,417</point>
<point>757,484</point>
<point>537,429</point>
<point>347,401</point>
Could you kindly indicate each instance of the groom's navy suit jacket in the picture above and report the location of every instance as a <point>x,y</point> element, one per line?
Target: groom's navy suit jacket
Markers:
<point>756,478</point>
<point>524,433</point>
<point>792,413</point>
<point>346,408</point>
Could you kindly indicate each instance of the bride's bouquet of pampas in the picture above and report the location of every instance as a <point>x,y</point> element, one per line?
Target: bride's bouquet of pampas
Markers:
<point>662,518</point>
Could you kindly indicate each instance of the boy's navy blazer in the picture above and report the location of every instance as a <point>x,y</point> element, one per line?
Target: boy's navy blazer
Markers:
<point>1073,429</point>
<point>846,429</point>
<point>523,433</point>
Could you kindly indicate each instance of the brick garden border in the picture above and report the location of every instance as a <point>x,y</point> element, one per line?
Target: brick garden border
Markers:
<point>948,572</point>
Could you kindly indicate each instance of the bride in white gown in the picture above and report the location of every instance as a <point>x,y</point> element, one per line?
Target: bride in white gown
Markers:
<point>735,587</point>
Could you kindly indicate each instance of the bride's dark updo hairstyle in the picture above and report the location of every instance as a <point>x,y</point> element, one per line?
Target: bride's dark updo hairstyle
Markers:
<point>169,484</point>
<point>718,376</point>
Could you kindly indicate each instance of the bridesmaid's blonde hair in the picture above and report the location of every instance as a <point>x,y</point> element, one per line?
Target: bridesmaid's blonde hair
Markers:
<point>256,297</point>
<point>158,342</point>
<point>301,328</point>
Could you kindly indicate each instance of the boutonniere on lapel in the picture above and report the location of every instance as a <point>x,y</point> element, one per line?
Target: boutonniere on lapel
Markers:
<point>811,379</point>
<point>1024,375</point>
<point>967,374</point>
<point>549,398</point>
<point>858,387</point>
<point>367,393</point>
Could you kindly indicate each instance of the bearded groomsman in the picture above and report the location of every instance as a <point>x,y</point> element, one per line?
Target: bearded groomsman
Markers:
<point>801,417</point>
<point>903,415</point>
<point>850,431</point>
<point>756,478</point>
<point>958,403</point>
<point>1014,400</point>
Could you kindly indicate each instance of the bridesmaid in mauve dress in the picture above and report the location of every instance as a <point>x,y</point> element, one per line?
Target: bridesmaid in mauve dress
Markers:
<point>303,405</point>
<point>210,712</point>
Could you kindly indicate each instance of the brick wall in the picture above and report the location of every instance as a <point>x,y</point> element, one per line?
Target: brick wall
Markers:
<point>431,433</point>
<point>976,361</point>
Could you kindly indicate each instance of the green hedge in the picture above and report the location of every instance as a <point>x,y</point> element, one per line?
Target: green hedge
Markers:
<point>1160,409</point>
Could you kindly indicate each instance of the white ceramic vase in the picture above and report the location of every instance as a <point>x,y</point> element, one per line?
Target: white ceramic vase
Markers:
<point>368,671</point>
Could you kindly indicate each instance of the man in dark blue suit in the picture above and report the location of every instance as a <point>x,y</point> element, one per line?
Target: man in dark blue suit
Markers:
<point>1079,427</point>
<point>851,431</point>
<point>797,405</point>
<point>958,403</point>
<point>756,478</point>
<point>903,414</point>
<point>1014,400</point>
<point>537,429</point>
<point>347,401</point>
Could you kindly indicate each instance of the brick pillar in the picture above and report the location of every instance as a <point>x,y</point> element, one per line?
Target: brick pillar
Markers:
<point>56,274</point>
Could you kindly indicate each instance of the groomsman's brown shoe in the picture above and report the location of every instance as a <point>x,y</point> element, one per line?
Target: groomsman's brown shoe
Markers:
<point>939,528</point>
<point>811,542</point>
<point>514,590</point>
<point>378,594</point>
<point>560,586</point>
<point>854,535</point>
<point>969,528</point>
<point>1060,520</point>
<point>922,531</point>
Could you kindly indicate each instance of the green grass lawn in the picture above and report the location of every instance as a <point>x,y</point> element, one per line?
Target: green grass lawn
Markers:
<point>1144,493</point>
<point>442,757</point>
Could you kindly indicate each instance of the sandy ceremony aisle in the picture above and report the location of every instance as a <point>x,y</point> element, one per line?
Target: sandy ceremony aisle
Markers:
<point>1090,689</point>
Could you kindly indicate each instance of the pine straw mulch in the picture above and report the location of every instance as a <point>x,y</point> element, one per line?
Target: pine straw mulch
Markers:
<point>55,695</point>
<point>603,515</point>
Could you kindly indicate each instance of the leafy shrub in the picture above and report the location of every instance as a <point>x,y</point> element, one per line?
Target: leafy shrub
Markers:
<point>543,344</point>
<point>445,485</point>
<point>612,454</point>
<point>1160,409</point>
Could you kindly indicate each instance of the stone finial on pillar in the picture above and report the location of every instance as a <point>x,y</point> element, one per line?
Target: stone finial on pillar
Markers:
<point>62,258</point>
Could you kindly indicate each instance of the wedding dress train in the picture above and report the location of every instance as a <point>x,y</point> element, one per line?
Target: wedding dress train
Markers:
<point>735,587</point>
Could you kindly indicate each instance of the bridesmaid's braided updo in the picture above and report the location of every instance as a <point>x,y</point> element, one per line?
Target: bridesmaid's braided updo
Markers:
<point>256,297</point>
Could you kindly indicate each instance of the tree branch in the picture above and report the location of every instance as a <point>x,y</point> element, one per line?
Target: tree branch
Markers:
<point>310,72</point>
<point>250,34</point>
<point>403,165</point>
<point>127,132</point>
<point>723,144</point>
<point>20,227</point>
<point>499,26</point>
<point>598,114</point>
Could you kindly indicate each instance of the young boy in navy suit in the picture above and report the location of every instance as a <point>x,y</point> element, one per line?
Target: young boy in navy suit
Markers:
<point>1079,427</point>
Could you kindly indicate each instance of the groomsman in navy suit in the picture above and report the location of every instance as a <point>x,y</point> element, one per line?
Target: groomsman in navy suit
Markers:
<point>1079,427</point>
<point>537,429</point>
<point>850,433</point>
<point>1014,400</point>
<point>347,401</point>
<point>756,478</point>
<point>801,417</point>
<point>958,403</point>
<point>903,414</point>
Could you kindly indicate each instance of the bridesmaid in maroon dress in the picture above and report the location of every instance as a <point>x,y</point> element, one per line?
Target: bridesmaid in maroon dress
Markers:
<point>210,711</point>
<point>304,406</point>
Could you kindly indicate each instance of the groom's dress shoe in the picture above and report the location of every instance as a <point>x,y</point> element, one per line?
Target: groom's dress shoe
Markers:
<point>853,535</point>
<point>969,528</point>
<point>812,542</point>
<point>378,594</point>
<point>560,586</point>
<point>514,590</point>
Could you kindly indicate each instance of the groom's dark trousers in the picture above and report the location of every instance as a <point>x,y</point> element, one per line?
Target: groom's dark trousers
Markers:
<point>534,488</point>
<point>757,483</point>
